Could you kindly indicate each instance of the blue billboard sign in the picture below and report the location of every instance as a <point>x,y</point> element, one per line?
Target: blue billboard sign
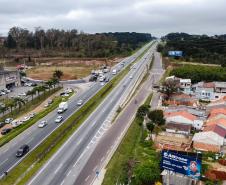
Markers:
<point>179,163</point>
<point>175,53</point>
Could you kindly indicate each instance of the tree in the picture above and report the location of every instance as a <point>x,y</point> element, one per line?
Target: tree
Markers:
<point>58,74</point>
<point>10,103</point>
<point>150,126</point>
<point>169,87</point>
<point>142,111</point>
<point>157,117</point>
<point>49,83</point>
<point>10,42</point>
<point>31,93</point>
<point>19,101</point>
<point>3,109</point>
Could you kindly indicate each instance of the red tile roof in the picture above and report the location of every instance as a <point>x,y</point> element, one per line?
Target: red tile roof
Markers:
<point>206,147</point>
<point>181,113</point>
<point>217,129</point>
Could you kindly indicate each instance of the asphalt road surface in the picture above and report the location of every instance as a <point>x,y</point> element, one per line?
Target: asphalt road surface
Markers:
<point>114,135</point>
<point>33,136</point>
<point>67,163</point>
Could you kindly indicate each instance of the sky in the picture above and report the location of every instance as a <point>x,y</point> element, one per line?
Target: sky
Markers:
<point>157,17</point>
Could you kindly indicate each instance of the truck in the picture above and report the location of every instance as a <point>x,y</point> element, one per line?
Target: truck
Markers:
<point>63,106</point>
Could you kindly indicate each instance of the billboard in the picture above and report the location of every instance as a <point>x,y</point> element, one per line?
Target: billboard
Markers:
<point>181,163</point>
<point>175,53</point>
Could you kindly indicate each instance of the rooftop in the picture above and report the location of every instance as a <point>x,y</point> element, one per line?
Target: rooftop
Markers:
<point>184,114</point>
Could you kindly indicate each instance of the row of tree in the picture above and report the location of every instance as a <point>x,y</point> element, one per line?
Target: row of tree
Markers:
<point>198,48</point>
<point>74,43</point>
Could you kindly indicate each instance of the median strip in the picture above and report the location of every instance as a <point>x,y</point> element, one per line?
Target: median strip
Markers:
<point>47,148</point>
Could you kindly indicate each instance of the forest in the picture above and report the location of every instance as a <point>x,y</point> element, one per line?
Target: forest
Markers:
<point>196,48</point>
<point>70,43</point>
<point>200,73</point>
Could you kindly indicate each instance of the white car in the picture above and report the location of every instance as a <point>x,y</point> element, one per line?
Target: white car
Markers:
<point>42,124</point>
<point>80,102</point>
<point>22,94</point>
<point>32,114</point>
<point>8,120</point>
<point>59,119</point>
<point>26,118</point>
<point>102,83</point>
<point>130,77</point>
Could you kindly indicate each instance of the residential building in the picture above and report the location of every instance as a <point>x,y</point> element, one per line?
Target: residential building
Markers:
<point>220,87</point>
<point>208,141</point>
<point>178,128</point>
<point>184,117</point>
<point>204,91</point>
<point>185,85</point>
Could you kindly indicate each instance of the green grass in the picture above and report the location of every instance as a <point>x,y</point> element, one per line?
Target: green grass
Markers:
<point>166,74</point>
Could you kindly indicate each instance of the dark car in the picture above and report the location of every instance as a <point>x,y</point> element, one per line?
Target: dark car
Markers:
<point>5,131</point>
<point>22,150</point>
<point>2,124</point>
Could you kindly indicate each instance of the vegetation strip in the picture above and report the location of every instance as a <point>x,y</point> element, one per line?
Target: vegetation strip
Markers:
<point>16,131</point>
<point>47,148</point>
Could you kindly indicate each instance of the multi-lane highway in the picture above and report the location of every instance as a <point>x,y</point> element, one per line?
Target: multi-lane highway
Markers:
<point>108,143</point>
<point>34,135</point>
<point>65,166</point>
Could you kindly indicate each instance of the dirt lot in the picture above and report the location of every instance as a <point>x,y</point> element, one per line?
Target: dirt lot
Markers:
<point>72,69</point>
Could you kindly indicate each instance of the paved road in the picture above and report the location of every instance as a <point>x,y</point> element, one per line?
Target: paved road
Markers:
<point>113,136</point>
<point>65,166</point>
<point>34,135</point>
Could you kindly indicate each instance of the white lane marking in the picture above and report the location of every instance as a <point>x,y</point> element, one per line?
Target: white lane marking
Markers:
<point>58,168</point>
<point>79,141</point>
<point>69,173</point>
<point>87,178</point>
<point>62,182</point>
<point>3,162</point>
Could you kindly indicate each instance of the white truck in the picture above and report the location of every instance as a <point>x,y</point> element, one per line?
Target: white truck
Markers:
<point>63,106</point>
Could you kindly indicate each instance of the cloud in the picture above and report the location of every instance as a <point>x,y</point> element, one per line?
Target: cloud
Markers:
<point>158,17</point>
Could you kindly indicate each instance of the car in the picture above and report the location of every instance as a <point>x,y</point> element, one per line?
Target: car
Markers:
<point>102,83</point>
<point>66,95</point>
<point>130,77</point>
<point>42,124</point>
<point>46,105</point>
<point>22,94</point>
<point>5,131</point>
<point>80,102</point>
<point>62,93</point>
<point>107,80</point>
<point>3,93</point>
<point>2,124</point>
<point>22,151</point>
<point>8,120</point>
<point>59,119</point>
<point>26,118</point>
<point>32,114</point>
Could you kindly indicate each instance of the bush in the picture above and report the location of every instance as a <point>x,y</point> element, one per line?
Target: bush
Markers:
<point>142,111</point>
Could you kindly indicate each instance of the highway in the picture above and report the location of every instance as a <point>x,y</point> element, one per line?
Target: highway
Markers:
<point>112,138</point>
<point>66,164</point>
<point>33,136</point>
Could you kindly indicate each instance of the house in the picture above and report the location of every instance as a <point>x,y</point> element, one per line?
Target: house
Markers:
<point>215,112</point>
<point>217,104</point>
<point>182,99</point>
<point>220,87</point>
<point>185,85</point>
<point>178,128</point>
<point>184,117</point>
<point>204,91</point>
<point>208,141</point>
